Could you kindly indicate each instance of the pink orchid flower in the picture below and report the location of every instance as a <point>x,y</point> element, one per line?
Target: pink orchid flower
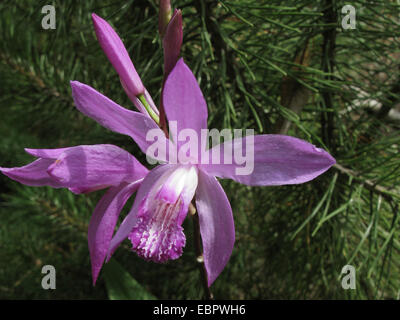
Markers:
<point>154,223</point>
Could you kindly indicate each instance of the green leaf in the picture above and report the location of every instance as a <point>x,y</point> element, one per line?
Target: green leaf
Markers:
<point>121,286</point>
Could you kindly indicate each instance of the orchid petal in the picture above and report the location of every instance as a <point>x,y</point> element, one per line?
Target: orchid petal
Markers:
<point>216,225</point>
<point>46,153</point>
<point>172,42</point>
<point>103,221</point>
<point>116,52</point>
<point>33,174</point>
<point>183,100</point>
<point>112,116</point>
<point>89,168</point>
<point>154,178</point>
<point>277,160</point>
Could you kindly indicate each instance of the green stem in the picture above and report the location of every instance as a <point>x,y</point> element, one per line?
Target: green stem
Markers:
<point>150,111</point>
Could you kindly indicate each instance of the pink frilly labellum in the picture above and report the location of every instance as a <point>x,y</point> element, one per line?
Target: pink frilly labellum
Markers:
<point>157,234</point>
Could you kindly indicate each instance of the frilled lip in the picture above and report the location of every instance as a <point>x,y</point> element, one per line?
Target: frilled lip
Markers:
<point>158,187</point>
<point>157,234</point>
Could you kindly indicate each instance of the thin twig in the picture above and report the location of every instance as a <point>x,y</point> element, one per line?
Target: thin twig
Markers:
<point>368,184</point>
<point>328,66</point>
<point>199,252</point>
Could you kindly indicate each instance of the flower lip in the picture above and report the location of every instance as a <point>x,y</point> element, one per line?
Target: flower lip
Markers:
<point>158,235</point>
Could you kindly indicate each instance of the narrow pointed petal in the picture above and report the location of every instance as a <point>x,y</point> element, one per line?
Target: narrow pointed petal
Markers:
<point>216,225</point>
<point>183,99</point>
<point>89,168</point>
<point>271,160</point>
<point>116,52</point>
<point>103,222</point>
<point>112,116</point>
<point>154,177</point>
<point>33,174</point>
<point>172,42</point>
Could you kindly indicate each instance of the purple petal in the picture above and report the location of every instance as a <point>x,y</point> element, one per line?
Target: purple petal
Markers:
<point>183,100</point>
<point>46,153</point>
<point>118,56</point>
<point>33,174</point>
<point>113,116</point>
<point>89,168</point>
<point>172,42</point>
<point>103,221</point>
<point>154,177</point>
<point>277,160</point>
<point>216,225</point>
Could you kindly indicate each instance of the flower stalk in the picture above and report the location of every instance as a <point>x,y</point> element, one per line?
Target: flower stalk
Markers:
<point>149,109</point>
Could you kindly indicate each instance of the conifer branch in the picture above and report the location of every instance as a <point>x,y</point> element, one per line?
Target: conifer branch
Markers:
<point>328,66</point>
<point>369,184</point>
<point>34,78</point>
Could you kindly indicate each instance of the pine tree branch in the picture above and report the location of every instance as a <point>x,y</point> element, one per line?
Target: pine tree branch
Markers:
<point>35,79</point>
<point>391,101</point>
<point>328,66</point>
<point>368,184</point>
<point>294,95</point>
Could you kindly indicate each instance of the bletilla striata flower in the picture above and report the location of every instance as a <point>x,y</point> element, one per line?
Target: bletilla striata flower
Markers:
<point>154,223</point>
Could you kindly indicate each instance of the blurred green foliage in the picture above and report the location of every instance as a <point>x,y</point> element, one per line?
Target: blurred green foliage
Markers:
<point>261,65</point>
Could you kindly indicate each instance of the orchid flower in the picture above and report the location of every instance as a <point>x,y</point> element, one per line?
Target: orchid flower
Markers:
<point>154,223</point>
<point>164,194</point>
